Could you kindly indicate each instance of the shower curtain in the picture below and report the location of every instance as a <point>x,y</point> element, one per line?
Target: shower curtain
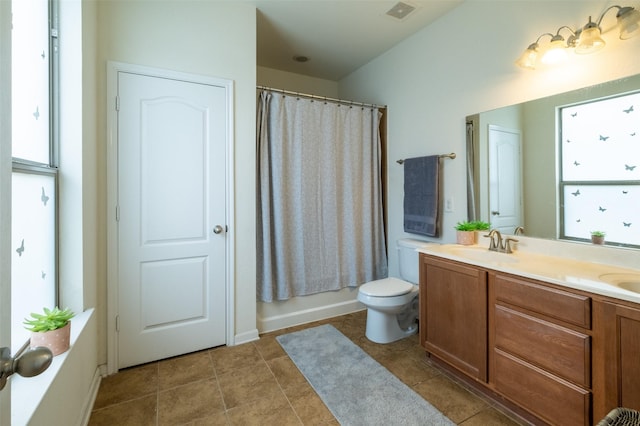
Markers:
<point>320,219</point>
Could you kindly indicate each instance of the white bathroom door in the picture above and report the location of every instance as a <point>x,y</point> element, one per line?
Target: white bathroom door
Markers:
<point>505,177</point>
<point>171,137</point>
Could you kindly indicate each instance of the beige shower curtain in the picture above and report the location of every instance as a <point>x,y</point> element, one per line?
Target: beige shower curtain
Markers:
<point>320,219</point>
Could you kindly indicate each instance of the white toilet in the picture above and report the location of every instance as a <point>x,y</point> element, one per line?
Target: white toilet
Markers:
<point>392,303</point>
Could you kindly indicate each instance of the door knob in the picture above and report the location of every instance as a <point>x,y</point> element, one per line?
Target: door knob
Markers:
<point>29,364</point>
<point>218,229</point>
<point>495,213</point>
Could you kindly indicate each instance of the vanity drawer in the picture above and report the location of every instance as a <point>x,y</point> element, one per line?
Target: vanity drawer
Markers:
<point>557,349</point>
<point>572,308</point>
<point>543,394</point>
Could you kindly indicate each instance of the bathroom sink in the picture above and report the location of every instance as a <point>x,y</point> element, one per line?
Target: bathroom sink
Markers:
<point>483,255</point>
<point>629,282</point>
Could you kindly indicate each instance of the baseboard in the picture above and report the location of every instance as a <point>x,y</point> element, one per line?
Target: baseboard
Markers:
<point>246,337</point>
<point>305,316</point>
<point>87,407</point>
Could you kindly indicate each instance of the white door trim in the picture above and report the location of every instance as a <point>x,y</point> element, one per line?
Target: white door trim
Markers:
<point>113,68</point>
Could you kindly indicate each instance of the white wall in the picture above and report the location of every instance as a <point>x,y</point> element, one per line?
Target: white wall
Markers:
<point>209,38</point>
<point>463,64</point>
<point>293,82</point>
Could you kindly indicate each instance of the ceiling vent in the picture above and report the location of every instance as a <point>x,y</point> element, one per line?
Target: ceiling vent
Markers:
<point>400,10</point>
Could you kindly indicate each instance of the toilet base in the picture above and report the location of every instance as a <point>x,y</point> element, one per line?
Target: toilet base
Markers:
<point>384,327</point>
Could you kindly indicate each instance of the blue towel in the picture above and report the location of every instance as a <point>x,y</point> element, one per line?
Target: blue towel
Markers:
<point>421,200</point>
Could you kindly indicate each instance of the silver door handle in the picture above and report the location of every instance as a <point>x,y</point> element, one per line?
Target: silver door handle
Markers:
<point>218,229</point>
<point>495,213</point>
<point>29,364</point>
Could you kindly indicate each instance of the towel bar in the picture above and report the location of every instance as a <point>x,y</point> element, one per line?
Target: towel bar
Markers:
<point>452,156</point>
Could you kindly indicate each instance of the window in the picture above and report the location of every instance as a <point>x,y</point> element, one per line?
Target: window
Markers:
<point>34,177</point>
<point>600,169</point>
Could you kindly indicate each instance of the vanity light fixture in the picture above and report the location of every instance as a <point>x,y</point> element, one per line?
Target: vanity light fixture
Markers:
<point>556,52</point>
<point>590,40</point>
<point>585,40</point>
<point>529,57</point>
<point>628,20</point>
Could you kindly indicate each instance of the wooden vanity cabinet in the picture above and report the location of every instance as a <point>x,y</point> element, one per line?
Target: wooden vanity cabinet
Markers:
<point>540,348</point>
<point>453,314</point>
<point>617,361</point>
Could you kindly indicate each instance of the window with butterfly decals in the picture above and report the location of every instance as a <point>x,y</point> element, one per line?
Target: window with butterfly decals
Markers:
<point>34,177</point>
<point>600,169</point>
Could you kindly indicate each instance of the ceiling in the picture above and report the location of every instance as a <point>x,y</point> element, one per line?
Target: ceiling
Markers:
<point>338,36</point>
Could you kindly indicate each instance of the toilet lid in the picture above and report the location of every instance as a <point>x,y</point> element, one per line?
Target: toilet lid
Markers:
<point>387,287</point>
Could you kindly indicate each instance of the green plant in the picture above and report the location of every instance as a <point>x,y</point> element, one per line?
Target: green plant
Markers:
<point>481,226</point>
<point>598,233</point>
<point>465,226</point>
<point>52,319</point>
<point>474,225</point>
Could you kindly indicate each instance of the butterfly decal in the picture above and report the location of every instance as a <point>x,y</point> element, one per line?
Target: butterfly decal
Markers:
<point>575,163</point>
<point>574,114</point>
<point>42,54</point>
<point>632,134</point>
<point>628,110</point>
<point>43,274</point>
<point>604,138</point>
<point>44,197</point>
<point>628,167</point>
<point>20,249</point>
<point>602,209</point>
<point>575,194</point>
<point>37,113</point>
<point>627,225</point>
<point>578,220</point>
<point>568,140</point>
<point>625,192</point>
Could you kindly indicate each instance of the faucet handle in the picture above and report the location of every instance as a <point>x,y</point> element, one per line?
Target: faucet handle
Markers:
<point>507,244</point>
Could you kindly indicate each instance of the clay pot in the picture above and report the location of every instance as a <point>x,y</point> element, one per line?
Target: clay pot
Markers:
<point>56,340</point>
<point>466,238</point>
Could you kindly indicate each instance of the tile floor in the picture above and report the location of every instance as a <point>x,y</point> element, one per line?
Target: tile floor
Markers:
<point>257,384</point>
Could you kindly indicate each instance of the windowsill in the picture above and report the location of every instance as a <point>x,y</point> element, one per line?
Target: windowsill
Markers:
<point>28,392</point>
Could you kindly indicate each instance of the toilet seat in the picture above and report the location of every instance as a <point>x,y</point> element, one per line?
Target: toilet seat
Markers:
<point>387,287</point>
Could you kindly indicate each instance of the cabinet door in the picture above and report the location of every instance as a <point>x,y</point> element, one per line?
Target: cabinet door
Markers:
<point>453,317</point>
<point>620,346</point>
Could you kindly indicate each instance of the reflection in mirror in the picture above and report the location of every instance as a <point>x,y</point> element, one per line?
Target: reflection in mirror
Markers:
<point>515,167</point>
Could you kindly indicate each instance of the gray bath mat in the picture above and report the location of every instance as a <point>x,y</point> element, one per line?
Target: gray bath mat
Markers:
<point>355,387</point>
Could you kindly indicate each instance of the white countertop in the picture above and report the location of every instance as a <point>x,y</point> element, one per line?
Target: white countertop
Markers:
<point>599,278</point>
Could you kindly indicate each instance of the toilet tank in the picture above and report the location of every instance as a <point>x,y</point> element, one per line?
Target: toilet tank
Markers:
<point>408,258</point>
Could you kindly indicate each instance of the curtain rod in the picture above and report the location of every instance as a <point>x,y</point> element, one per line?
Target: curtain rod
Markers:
<point>452,156</point>
<point>322,98</point>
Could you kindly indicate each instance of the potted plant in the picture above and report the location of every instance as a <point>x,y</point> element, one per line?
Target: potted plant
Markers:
<point>466,231</point>
<point>51,329</point>
<point>597,237</point>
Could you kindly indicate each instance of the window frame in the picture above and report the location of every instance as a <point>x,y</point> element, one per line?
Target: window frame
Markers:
<point>20,165</point>
<point>562,184</point>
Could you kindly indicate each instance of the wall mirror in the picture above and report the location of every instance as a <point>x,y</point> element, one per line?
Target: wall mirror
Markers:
<point>525,140</point>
